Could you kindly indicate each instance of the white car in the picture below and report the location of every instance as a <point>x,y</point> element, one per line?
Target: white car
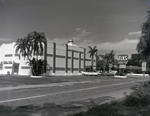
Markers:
<point>91,73</point>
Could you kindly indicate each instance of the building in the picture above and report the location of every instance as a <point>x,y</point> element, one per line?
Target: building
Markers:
<point>68,59</point>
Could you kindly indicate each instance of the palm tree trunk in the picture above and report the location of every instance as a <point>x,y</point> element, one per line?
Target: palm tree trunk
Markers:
<point>32,71</point>
<point>45,57</point>
<point>92,64</point>
<point>104,67</point>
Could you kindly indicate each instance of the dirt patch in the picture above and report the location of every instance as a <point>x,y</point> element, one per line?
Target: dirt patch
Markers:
<point>62,109</point>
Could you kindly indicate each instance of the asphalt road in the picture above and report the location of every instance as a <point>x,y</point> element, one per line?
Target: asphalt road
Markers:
<point>61,90</point>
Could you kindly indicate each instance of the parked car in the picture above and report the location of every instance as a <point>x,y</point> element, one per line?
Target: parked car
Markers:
<point>111,73</point>
<point>91,73</point>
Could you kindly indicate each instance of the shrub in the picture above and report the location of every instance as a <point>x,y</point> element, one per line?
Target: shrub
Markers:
<point>37,66</point>
<point>138,71</point>
<point>132,101</point>
<point>5,109</point>
<point>101,110</point>
<point>139,97</point>
<point>120,74</point>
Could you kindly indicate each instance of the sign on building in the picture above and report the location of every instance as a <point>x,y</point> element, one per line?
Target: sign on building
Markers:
<point>143,66</point>
<point>122,66</point>
<point>123,59</point>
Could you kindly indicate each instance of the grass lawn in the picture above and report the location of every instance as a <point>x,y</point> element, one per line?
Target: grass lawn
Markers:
<point>16,80</point>
<point>114,108</point>
<point>135,104</point>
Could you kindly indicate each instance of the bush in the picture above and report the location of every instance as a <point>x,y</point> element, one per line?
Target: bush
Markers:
<point>132,101</point>
<point>139,97</point>
<point>120,74</point>
<point>101,110</point>
<point>138,71</point>
<point>37,66</point>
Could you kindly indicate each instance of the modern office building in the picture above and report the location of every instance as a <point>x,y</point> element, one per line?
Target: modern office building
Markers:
<point>67,59</point>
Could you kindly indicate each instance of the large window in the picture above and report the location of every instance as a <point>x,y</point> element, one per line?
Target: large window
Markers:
<point>8,55</point>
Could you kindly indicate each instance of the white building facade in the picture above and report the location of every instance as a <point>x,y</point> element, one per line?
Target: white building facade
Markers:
<point>68,59</point>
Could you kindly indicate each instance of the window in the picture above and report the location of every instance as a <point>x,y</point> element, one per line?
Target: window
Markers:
<point>8,55</point>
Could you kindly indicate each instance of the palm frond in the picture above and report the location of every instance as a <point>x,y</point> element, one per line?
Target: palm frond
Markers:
<point>92,51</point>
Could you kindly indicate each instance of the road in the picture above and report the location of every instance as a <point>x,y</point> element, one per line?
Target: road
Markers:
<point>63,92</point>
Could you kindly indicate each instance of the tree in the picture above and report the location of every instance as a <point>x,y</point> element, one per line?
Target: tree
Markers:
<point>103,60</point>
<point>92,52</point>
<point>38,40</point>
<point>107,58</point>
<point>143,46</point>
<point>111,57</point>
<point>136,60</point>
<point>23,48</point>
<point>30,47</point>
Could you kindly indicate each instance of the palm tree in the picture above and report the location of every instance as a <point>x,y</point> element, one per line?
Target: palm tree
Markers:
<point>23,48</point>
<point>37,40</point>
<point>108,58</point>
<point>104,59</point>
<point>92,52</point>
<point>31,46</point>
<point>111,56</point>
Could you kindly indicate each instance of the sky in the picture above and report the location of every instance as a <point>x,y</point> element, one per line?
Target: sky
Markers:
<point>107,24</point>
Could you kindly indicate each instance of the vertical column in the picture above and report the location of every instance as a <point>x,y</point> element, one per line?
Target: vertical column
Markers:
<point>84,60</point>
<point>45,57</point>
<point>54,57</point>
<point>72,56</point>
<point>79,62</point>
<point>96,61</point>
<point>92,61</point>
<point>66,67</point>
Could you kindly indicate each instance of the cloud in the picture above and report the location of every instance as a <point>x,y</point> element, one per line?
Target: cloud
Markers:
<point>126,46</point>
<point>88,41</point>
<point>84,39</point>
<point>134,33</point>
<point>81,34</point>
<point>59,40</point>
<point>78,29</point>
<point>78,37</point>
<point>2,1</point>
<point>123,45</point>
<point>6,40</point>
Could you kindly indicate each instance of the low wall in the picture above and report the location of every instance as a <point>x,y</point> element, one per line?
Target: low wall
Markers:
<point>137,75</point>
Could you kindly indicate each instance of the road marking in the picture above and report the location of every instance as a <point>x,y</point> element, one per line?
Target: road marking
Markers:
<point>39,96</point>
